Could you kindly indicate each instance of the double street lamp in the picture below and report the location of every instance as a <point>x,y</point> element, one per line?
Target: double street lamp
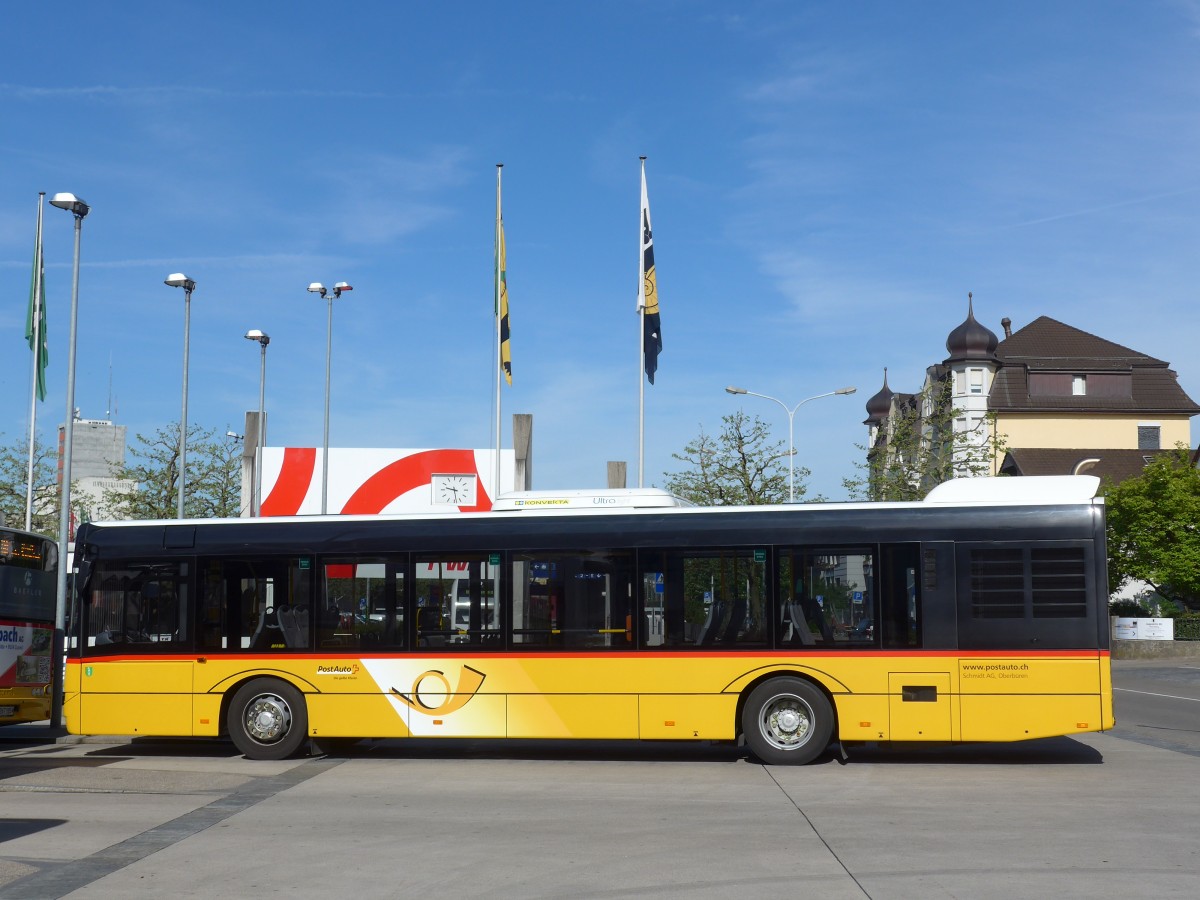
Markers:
<point>791,414</point>
<point>79,210</point>
<point>256,494</point>
<point>180,280</point>
<point>317,288</point>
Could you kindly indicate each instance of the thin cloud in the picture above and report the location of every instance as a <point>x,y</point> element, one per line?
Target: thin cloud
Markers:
<point>1105,208</point>
<point>825,75</point>
<point>34,92</point>
<point>248,260</point>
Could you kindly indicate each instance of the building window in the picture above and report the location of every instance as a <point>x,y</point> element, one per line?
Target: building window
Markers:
<point>1091,384</point>
<point>1110,384</point>
<point>1149,437</point>
<point>1049,384</point>
<point>976,380</point>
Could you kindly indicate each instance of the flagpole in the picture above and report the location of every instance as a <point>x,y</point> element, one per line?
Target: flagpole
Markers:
<point>499,350</point>
<point>37,361</point>
<point>641,337</point>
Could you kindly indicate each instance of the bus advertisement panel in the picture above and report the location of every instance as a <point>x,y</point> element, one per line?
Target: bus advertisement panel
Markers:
<point>27,599</point>
<point>24,670</point>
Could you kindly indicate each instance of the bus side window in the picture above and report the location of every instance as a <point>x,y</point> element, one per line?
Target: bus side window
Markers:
<point>362,603</point>
<point>826,598</point>
<point>899,594</point>
<point>458,600</point>
<point>248,604</point>
<point>711,597</point>
<point>138,606</point>
<point>575,600</point>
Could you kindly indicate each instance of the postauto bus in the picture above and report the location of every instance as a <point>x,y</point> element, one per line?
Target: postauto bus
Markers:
<point>978,614</point>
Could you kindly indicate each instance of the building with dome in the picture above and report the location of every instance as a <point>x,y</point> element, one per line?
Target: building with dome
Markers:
<point>1047,399</point>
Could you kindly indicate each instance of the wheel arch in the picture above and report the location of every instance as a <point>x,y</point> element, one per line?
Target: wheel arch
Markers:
<point>746,685</point>
<point>228,688</point>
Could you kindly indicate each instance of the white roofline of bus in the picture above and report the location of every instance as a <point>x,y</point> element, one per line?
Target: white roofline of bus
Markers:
<point>1025,490</point>
<point>611,498</point>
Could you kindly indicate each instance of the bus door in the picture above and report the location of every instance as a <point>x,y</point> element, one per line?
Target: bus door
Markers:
<point>138,642</point>
<point>919,702</point>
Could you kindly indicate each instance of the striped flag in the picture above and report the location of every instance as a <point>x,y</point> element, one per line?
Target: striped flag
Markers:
<point>502,291</point>
<point>651,325</point>
<point>35,318</point>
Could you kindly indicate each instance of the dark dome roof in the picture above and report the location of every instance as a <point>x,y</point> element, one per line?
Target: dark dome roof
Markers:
<point>879,405</point>
<point>970,340</point>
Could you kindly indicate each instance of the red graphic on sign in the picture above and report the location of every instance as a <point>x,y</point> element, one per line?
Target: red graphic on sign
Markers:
<point>289,490</point>
<point>373,495</point>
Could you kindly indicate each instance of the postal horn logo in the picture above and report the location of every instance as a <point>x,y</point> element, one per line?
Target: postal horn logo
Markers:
<point>439,697</point>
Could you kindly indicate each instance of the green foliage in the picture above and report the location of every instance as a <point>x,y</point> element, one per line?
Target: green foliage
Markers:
<point>741,466</point>
<point>14,476</point>
<point>1187,627</point>
<point>1128,609</point>
<point>213,489</point>
<point>922,449</point>
<point>1154,528</point>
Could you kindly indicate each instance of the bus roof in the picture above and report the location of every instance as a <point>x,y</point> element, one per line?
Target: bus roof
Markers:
<point>613,498</point>
<point>1028,489</point>
<point>1034,490</point>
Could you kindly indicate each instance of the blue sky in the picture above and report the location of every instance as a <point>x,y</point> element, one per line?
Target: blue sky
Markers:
<point>827,182</point>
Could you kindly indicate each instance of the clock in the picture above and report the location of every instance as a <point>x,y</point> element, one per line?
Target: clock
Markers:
<point>453,490</point>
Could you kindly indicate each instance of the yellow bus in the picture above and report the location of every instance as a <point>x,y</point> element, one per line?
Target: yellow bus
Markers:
<point>28,572</point>
<point>979,614</point>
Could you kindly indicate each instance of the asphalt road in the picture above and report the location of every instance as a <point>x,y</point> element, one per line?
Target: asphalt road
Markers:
<point>1099,816</point>
<point>1158,702</point>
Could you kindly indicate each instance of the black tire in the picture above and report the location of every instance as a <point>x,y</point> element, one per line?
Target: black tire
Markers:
<point>787,721</point>
<point>268,719</point>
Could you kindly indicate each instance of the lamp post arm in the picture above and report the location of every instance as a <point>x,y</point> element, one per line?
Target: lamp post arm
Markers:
<point>791,443</point>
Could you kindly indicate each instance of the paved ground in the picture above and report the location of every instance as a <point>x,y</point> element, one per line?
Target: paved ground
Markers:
<point>1109,815</point>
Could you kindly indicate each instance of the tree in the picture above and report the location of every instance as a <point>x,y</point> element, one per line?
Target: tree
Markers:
<point>922,448</point>
<point>1154,528</point>
<point>739,467</point>
<point>213,487</point>
<point>14,473</point>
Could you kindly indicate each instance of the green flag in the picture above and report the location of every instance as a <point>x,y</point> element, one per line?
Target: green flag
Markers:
<point>35,320</point>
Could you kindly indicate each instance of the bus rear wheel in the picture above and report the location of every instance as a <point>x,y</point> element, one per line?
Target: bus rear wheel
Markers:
<point>787,721</point>
<point>268,719</point>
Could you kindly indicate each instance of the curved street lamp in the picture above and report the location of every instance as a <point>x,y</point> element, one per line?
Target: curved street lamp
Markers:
<point>256,494</point>
<point>180,280</point>
<point>79,210</point>
<point>317,288</point>
<point>791,414</point>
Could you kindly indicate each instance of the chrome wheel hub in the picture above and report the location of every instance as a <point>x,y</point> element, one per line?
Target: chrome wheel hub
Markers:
<point>786,722</point>
<point>268,718</point>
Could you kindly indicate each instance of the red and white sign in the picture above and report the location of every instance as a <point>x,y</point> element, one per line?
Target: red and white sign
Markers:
<point>365,481</point>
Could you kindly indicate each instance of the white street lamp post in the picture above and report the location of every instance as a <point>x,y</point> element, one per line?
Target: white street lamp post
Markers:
<point>79,209</point>
<point>181,280</point>
<point>256,494</point>
<point>791,414</point>
<point>317,288</point>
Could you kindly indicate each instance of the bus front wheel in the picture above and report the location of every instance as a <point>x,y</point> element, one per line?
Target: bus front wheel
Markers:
<point>268,719</point>
<point>787,721</point>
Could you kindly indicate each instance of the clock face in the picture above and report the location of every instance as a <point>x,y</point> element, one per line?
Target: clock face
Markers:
<point>453,490</point>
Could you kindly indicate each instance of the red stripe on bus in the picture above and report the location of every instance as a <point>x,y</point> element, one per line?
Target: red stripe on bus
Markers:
<point>624,655</point>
